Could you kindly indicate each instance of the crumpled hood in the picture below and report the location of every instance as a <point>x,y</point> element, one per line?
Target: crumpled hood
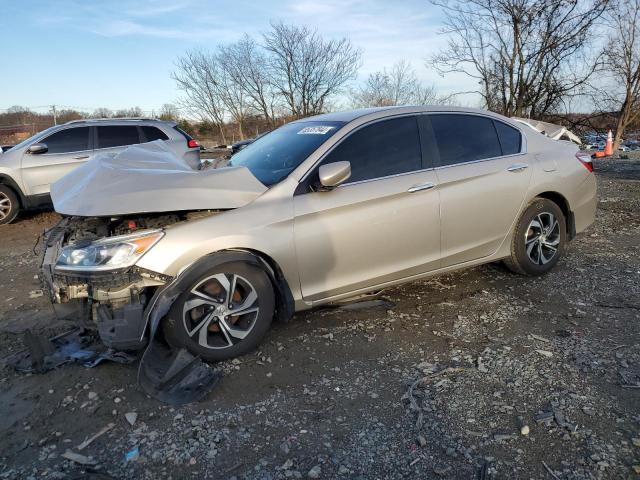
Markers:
<point>150,178</point>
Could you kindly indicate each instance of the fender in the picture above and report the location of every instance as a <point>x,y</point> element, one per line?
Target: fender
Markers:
<point>7,180</point>
<point>164,297</point>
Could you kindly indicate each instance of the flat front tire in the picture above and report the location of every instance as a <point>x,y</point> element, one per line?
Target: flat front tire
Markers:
<point>224,313</point>
<point>539,239</point>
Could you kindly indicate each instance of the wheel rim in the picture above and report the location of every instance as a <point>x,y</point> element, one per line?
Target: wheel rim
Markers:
<point>542,238</point>
<point>220,311</point>
<point>5,205</point>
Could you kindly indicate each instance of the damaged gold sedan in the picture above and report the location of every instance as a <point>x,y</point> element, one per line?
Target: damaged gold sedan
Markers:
<point>320,210</point>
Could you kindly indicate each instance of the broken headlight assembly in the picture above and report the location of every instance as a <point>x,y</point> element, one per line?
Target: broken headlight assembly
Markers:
<point>108,253</point>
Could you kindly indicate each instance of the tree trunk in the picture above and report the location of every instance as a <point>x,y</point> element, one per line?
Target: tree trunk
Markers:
<point>222,136</point>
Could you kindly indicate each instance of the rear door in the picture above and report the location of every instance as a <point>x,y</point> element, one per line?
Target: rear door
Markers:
<point>68,148</point>
<point>483,176</point>
<point>382,225</point>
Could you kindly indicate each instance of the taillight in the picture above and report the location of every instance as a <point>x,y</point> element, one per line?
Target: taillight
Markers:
<point>191,143</point>
<point>585,159</point>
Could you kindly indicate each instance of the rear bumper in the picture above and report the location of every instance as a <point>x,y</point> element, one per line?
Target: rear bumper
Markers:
<point>584,207</point>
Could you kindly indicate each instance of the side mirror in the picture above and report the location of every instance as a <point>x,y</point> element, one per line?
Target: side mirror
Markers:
<point>38,148</point>
<point>333,174</point>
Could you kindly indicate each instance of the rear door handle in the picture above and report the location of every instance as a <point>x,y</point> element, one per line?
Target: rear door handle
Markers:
<point>81,157</point>
<point>421,187</point>
<point>517,167</point>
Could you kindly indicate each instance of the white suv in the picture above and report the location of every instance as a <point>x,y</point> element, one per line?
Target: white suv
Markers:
<point>28,169</point>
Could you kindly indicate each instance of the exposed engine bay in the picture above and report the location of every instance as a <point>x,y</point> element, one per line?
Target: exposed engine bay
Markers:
<point>110,300</point>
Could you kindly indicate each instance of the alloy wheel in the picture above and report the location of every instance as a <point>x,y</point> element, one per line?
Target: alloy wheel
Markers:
<point>542,238</point>
<point>5,205</point>
<point>220,311</point>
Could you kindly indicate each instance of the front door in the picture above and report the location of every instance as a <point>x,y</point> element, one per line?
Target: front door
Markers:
<point>381,225</point>
<point>68,149</point>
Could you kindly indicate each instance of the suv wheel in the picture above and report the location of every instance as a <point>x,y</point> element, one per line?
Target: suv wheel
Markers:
<point>9,205</point>
<point>539,239</point>
<point>223,314</point>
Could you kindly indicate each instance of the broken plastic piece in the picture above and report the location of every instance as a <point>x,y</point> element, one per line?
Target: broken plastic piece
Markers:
<point>80,346</point>
<point>175,376</point>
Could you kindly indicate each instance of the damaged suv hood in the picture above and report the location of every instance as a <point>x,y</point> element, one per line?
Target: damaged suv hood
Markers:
<point>150,178</point>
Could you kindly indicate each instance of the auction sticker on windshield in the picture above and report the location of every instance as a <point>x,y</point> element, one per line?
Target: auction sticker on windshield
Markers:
<point>315,130</point>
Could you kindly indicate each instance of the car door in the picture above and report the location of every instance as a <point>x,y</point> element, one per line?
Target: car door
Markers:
<point>379,226</point>
<point>483,176</point>
<point>115,138</point>
<point>67,149</point>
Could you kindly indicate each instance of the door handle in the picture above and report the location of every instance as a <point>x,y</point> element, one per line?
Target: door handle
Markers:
<point>421,187</point>
<point>517,167</point>
<point>81,157</point>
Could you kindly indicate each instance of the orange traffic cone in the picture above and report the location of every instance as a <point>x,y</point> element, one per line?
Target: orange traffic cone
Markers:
<point>608,148</point>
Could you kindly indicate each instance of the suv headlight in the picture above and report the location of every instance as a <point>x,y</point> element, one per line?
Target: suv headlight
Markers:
<point>108,253</point>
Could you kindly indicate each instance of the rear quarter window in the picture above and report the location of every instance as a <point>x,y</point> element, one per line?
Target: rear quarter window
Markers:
<point>510,138</point>
<point>153,133</point>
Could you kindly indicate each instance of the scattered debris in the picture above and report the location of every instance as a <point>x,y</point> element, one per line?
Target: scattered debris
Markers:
<point>131,417</point>
<point>132,455</point>
<point>545,353</point>
<point>78,458</point>
<point>90,440</point>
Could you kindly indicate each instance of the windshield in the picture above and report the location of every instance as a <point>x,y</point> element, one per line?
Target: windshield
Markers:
<point>33,137</point>
<point>272,157</point>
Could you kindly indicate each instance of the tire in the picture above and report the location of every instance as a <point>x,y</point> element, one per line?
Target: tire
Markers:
<point>534,249</point>
<point>202,322</point>
<point>9,205</point>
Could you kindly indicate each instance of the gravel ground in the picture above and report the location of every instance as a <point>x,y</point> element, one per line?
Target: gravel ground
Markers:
<point>477,374</point>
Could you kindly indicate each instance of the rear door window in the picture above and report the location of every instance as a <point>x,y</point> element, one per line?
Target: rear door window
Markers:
<point>117,136</point>
<point>68,140</point>
<point>153,133</point>
<point>385,148</point>
<point>510,138</point>
<point>464,138</point>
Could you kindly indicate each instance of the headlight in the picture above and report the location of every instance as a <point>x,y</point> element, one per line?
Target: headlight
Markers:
<point>109,253</point>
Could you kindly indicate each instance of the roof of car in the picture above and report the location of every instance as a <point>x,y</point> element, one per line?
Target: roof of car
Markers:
<point>119,120</point>
<point>350,115</point>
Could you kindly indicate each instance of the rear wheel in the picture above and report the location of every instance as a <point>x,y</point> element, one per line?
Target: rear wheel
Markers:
<point>9,205</point>
<point>223,314</point>
<point>539,239</point>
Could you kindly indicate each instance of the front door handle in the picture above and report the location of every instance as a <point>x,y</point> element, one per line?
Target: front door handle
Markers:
<point>421,187</point>
<point>81,157</point>
<point>517,167</point>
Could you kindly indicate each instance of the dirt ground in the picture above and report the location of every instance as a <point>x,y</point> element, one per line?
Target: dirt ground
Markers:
<point>477,374</point>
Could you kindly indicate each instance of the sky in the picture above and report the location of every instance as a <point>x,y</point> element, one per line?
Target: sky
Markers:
<point>118,54</point>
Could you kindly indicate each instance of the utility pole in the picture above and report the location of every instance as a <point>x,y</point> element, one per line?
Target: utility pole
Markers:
<point>55,118</point>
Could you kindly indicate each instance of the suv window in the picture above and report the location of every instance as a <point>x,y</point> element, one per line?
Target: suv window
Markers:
<point>464,138</point>
<point>388,147</point>
<point>117,135</point>
<point>153,133</point>
<point>68,140</point>
<point>510,138</point>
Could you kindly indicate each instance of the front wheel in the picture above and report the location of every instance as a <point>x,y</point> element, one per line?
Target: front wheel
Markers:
<point>539,239</point>
<point>9,205</point>
<point>224,313</point>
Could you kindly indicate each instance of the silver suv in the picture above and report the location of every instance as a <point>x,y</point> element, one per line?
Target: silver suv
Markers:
<point>28,169</point>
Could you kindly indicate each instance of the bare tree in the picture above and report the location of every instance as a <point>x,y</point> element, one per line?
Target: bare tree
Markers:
<point>198,75</point>
<point>169,111</point>
<point>246,64</point>
<point>396,86</point>
<point>102,113</point>
<point>528,56</point>
<point>307,69</point>
<point>622,60</point>
<point>134,112</point>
